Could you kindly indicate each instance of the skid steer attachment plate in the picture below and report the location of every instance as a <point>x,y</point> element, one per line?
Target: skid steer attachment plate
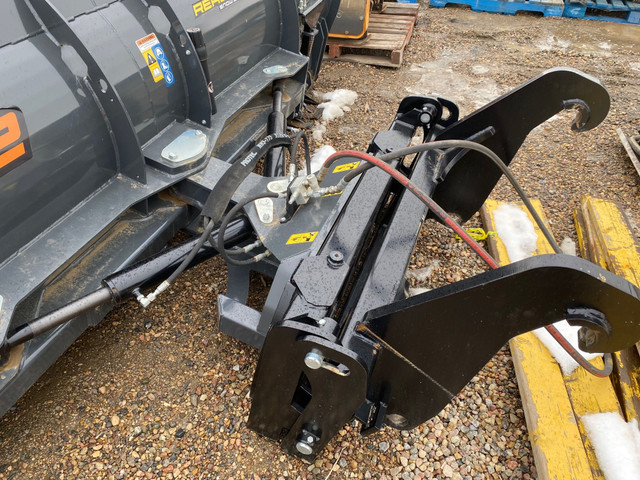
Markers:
<point>291,404</point>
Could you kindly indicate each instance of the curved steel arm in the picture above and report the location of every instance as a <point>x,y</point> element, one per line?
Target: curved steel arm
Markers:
<point>512,116</point>
<point>453,331</point>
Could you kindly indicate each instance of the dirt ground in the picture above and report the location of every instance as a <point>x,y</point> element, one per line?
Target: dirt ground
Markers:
<point>158,393</point>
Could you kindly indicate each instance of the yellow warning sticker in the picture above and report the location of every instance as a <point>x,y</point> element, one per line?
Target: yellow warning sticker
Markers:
<point>145,45</point>
<point>306,237</point>
<point>346,167</point>
<point>153,64</point>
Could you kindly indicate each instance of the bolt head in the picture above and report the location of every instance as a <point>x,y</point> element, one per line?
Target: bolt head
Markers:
<point>172,155</point>
<point>335,258</point>
<point>313,360</point>
<point>304,448</point>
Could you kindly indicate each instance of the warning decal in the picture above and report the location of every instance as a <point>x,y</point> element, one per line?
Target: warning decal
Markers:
<point>306,237</point>
<point>156,60</point>
<point>346,167</point>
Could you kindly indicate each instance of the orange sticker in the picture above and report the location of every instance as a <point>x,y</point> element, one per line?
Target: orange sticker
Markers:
<point>14,140</point>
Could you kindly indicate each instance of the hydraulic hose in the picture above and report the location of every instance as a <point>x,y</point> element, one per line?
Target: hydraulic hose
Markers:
<point>380,162</point>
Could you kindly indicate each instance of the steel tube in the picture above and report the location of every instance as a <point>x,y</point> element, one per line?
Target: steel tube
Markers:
<point>59,316</point>
<point>120,284</point>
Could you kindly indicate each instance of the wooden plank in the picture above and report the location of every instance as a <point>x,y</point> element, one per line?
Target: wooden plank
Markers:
<point>393,19</point>
<point>398,27</point>
<point>378,60</point>
<point>372,41</point>
<point>388,34</point>
<point>556,440</point>
<point>394,8</point>
<point>614,234</point>
<point>632,155</point>
<point>627,382</point>
<point>616,250</point>
<point>587,235</point>
<point>590,394</point>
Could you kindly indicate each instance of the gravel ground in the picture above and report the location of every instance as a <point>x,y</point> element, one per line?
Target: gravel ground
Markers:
<point>160,394</point>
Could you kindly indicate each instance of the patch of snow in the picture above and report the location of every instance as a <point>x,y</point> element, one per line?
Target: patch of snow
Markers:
<point>479,69</point>
<point>318,130</point>
<point>516,231</point>
<point>413,291</point>
<point>568,246</point>
<point>551,42</point>
<point>421,274</point>
<point>605,45</point>
<point>567,364</point>
<point>318,158</point>
<point>616,443</point>
<point>335,104</point>
<point>440,77</point>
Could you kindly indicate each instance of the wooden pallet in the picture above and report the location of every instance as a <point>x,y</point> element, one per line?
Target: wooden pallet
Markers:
<point>555,404</point>
<point>548,8</point>
<point>388,34</point>
<point>621,11</point>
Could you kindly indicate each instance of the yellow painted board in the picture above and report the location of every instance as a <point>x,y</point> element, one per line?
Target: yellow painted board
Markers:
<point>557,443</point>
<point>590,248</point>
<point>603,225</point>
<point>627,381</point>
<point>616,238</point>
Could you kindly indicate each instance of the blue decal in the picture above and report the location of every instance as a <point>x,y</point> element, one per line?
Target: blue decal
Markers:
<point>164,65</point>
<point>159,52</point>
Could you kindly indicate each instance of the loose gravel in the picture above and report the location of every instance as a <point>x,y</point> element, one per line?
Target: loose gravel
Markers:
<point>159,393</point>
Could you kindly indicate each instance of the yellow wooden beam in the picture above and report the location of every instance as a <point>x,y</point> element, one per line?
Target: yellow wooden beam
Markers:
<point>602,225</point>
<point>554,404</point>
<point>555,437</point>
<point>614,235</point>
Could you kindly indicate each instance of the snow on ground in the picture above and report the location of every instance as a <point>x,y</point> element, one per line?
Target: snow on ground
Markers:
<point>318,158</point>
<point>567,364</point>
<point>568,246</point>
<point>517,232</point>
<point>421,274</point>
<point>617,444</point>
<point>335,104</point>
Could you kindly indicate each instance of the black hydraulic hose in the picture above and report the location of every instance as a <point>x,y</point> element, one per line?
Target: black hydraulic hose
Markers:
<point>224,189</point>
<point>225,222</point>
<point>294,149</point>
<point>119,285</point>
<point>276,122</point>
<point>209,224</point>
<point>153,269</point>
<point>217,202</point>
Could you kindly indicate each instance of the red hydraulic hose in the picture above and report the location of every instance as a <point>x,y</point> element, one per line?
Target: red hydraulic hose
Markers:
<point>446,218</point>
